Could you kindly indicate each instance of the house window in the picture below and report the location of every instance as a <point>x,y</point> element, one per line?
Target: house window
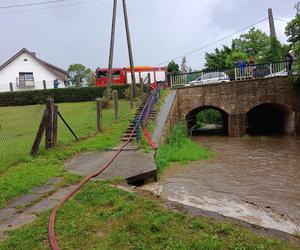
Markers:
<point>26,79</point>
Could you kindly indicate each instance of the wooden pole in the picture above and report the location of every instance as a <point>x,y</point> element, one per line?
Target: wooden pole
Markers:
<point>44,84</point>
<point>99,114</point>
<point>39,135</point>
<point>131,96</point>
<point>116,105</point>
<point>129,49</point>
<point>49,138</point>
<point>55,125</point>
<point>111,52</point>
<point>271,23</point>
<point>11,87</point>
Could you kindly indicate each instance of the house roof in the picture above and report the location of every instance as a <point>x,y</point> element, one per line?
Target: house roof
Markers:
<point>60,73</point>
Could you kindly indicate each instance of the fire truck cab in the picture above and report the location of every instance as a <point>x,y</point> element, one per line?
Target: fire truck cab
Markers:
<point>122,76</point>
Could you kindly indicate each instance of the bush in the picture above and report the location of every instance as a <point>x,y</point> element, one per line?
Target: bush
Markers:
<point>209,116</point>
<point>105,102</point>
<point>32,97</point>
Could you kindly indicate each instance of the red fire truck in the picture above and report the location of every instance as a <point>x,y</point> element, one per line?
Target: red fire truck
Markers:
<point>123,75</point>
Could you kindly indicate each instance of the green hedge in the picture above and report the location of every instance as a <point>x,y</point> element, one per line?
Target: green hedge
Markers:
<point>32,97</point>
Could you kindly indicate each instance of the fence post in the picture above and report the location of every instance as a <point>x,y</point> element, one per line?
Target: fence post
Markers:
<point>49,138</point>
<point>131,96</point>
<point>44,84</point>
<point>149,79</point>
<point>99,114</point>
<point>39,135</point>
<point>235,74</point>
<point>55,125</point>
<point>11,87</point>
<point>116,105</point>
<point>142,90</point>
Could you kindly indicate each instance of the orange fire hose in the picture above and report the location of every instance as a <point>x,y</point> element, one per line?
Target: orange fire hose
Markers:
<point>51,226</point>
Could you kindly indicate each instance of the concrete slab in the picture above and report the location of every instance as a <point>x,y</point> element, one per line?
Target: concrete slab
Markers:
<point>57,196</point>
<point>42,206</point>
<point>7,213</point>
<point>17,221</point>
<point>24,200</point>
<point>43,189</point>
<point>162,117</point>
<point>54,180</point>
<point>128,165</point>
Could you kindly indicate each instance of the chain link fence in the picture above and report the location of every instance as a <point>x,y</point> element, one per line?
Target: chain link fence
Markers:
<point>18,127</point>
<point>81,117</point>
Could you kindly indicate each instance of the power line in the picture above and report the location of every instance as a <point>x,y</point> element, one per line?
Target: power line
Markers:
<point>285,21</point>
<point>31,4</point>
<point>210,44</point>
<point>50,7</point>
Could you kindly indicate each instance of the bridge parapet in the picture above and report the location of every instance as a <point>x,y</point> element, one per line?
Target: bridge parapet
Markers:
<point>243,72</point>
<point>237,98</point>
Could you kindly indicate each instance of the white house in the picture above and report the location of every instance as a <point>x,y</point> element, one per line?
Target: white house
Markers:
<point>27,72</point>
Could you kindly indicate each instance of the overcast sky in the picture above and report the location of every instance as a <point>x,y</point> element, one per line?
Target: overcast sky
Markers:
<point>160,29</point>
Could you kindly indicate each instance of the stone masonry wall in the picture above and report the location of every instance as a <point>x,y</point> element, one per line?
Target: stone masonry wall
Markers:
<point>236,99</point>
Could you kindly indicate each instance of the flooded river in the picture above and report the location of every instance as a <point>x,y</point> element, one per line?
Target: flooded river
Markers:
<point>255,179</point>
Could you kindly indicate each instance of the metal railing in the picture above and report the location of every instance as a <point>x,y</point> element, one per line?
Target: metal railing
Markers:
<point>141,121</point>
<point>244,72</point>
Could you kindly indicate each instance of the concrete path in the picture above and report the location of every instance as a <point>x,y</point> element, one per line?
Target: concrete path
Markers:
<point>23,210</point>
<point>162,117</point>
<point>132,165</point>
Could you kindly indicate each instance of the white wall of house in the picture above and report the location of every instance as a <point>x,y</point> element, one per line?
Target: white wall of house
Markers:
<point>26,63</point>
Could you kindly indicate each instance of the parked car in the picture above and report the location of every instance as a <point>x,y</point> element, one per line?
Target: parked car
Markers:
<point>212,77</point>
<point>280,73</point>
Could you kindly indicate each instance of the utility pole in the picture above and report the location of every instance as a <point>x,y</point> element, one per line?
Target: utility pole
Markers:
<point>271,23</point>
<point>111,52</point>
<point>129,49</point>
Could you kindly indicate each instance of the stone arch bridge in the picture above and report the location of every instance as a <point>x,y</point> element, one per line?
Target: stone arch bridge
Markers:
<point>266,105</point>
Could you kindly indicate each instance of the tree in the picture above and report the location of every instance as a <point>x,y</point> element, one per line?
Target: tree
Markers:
<point>92,79</point>
<point>183,65</point>
<point>293,28</point>
<point>233,57</point>
<point>217,59</point>
<point>275,51</point>
<point>173,67</point>
<point>254,43</point>
<point>79,74</point>
<point>293,32</point>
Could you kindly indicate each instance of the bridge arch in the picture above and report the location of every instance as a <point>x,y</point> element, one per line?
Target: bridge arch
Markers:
<point>219,126</point>
<point>270,118</point>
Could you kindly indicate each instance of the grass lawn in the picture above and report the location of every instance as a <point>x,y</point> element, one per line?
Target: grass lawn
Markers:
<point>22,177</point>
<point>179,148</point>
<point>18,127</point>
<point>102,217</point>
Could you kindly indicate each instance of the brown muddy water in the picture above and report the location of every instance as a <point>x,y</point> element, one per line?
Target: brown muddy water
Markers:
<point>255,179</point>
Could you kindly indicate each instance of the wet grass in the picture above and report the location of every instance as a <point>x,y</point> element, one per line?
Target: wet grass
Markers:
<point>19,124</point>
<point>33,172</point>
<point>179,148</point>
<point>102,217</point>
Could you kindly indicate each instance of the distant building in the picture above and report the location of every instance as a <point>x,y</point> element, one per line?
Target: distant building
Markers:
<point>26,72</point>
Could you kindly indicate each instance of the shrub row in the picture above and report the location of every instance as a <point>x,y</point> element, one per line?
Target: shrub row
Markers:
<point>32,97</point>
